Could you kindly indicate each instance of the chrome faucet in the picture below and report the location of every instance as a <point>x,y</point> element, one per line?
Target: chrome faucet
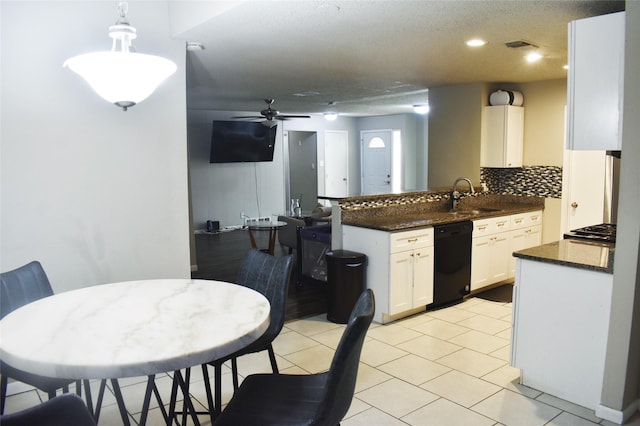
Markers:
<point>455,195</point>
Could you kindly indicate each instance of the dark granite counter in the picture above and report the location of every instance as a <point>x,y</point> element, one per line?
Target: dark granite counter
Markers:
<point>574,253</point>
<point>429,212</point>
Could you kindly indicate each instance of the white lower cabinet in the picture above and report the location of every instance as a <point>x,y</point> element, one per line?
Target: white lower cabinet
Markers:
<point>526,231</point>
<point>494,241</point>
<point>489,251</point>
<point>399,268</point>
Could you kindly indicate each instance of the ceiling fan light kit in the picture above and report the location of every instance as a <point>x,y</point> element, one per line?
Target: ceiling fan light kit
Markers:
<point>121,76</point>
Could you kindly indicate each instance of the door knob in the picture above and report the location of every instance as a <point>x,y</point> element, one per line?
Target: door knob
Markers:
<point>574,205</point>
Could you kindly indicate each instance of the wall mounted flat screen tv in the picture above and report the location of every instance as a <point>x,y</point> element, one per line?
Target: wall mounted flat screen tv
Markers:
<point>241,141</point>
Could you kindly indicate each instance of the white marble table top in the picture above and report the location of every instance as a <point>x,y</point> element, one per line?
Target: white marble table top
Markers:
<point>266,225</point>
<point>135,328</point>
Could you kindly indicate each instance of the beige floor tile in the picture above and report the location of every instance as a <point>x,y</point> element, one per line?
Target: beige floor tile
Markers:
<point>506,334</point>
<point>313,360</point>
<point>509,378</point>
<point>461,388</point>
<point>429,347</point>
<point>414,320</point>
<point>492,309</point>
<point>452,314</point>
<point>568,419</point>
<point>478,341</point>
<point>291,342</point>
<point>375,353</point>
<point>396,397</point>
<point>486,324</point>
<point>329,338</point>
<point>577,410</point>
<point>372,417</point>
<point>471,362</point>
<point>313,325</point>
<point>393,334</point>
<point>369,377</point>
<point>504,353</point>
<point>445,413</point>
<point>510,408</point>
<point>357,406</point>
<point>414,369</point>
<point>20,401</point>
<point>441,329</point>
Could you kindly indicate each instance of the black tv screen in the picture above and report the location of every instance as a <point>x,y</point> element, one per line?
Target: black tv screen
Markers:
<point>241,141</point>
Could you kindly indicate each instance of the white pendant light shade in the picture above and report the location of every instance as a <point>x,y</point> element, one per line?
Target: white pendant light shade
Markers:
<point>122,78</point>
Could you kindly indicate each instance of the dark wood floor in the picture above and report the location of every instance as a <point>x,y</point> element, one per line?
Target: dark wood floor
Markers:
<point>219,257</point>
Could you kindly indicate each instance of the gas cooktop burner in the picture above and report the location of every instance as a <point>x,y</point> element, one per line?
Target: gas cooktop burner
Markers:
<point>602,232</point>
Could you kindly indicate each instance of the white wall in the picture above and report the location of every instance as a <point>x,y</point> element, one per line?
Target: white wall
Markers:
<point>96,194</point>
<point>223,191</point>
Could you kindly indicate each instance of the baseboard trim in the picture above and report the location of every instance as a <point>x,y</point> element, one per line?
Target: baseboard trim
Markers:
<point>617,416</point>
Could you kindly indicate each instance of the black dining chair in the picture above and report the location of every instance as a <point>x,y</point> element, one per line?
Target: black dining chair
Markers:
<point>288,235</point>
<point>268,275</point>
<point>314,399</point>
<point>63,410</point>
<point>18,287</point>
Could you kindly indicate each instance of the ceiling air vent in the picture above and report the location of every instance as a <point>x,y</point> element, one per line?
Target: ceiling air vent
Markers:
<point>519,43</point>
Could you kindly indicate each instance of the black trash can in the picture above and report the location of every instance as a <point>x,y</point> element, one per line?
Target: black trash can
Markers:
<point>346,281</point>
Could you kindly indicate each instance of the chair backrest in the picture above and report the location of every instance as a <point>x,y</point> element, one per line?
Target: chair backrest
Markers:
<point>63,410</point>
<point>287,234</point>
<point>23,285</point>
<point>341,380</point>
<point>268,275</point>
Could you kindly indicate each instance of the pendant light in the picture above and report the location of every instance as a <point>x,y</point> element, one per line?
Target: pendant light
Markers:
<point>121,76</point>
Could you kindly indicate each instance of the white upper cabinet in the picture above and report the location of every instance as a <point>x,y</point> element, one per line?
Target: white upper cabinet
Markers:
<point>502,136</point>
<point>595,82</point>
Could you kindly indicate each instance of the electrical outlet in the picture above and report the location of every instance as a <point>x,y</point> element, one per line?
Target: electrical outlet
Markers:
<point>264,219</point>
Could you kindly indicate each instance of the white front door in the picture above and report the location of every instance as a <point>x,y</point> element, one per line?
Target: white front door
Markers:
<point>376,161</point>
<point>336,163</point>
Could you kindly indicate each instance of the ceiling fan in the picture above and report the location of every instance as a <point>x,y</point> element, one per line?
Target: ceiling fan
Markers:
<point>270,114</point>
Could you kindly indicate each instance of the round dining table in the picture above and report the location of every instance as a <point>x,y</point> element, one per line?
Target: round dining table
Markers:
<point>135,328</point>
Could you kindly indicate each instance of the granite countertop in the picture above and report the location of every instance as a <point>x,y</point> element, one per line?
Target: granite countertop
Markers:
<point>402,222</point>
<point>574,253</point>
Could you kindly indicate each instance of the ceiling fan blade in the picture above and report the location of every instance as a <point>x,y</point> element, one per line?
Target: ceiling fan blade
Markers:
<point>250,117</point>
<point>287,116</point>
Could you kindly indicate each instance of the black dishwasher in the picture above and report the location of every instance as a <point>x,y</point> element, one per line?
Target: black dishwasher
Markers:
<point>452,262</point>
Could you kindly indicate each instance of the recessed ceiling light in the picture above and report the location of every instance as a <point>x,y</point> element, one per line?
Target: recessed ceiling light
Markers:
<point>533,57</point>
<point>475,42</point>
<point>330,116</point>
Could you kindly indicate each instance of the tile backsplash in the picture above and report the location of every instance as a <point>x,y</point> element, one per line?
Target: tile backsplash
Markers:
<point>540,181</point>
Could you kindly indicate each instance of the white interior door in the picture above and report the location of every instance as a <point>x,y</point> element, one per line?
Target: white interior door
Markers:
<point>376,161</point>
<point>583,189</point>
<point>336,164</point>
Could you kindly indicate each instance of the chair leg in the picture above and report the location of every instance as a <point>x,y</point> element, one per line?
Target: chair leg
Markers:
<point>207,388</point>
<point>218,390</point>
<point>234,373</point>
<point>272,358</point>
<point>4,380</point>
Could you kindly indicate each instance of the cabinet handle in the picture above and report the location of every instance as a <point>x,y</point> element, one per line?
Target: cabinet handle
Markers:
<point>482,228</point>
<point>412,240</point>
<point>574,205</point>
<point>518,221</point>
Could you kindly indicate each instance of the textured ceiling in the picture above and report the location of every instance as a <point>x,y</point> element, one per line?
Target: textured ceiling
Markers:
<point>369,57</point>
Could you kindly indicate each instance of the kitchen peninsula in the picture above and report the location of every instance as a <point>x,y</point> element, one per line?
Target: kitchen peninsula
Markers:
<point>399,235</point>
<point>561,307</point>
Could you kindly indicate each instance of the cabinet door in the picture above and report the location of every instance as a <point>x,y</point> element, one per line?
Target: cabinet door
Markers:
<point>502,136</point>
<point>499,257</point>
<point>595,82</point>
<point>401,282</point>
<point>521,239</point>
<point>480,262</point>
<point>423,277</point>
